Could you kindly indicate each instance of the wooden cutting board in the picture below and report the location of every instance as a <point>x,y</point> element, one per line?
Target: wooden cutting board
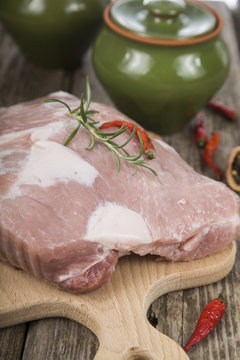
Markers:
<point>116,312</point>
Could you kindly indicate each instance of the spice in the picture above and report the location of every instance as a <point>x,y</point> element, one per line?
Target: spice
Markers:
<point>236,168</point>
<point>147,142</point>
<point>222,109</point>
<point>209,318</point>
<point>233,169</point>
<point>200,134</point>
<point>209,150</point>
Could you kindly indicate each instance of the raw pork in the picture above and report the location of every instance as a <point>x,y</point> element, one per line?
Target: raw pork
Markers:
<point>67,215</point>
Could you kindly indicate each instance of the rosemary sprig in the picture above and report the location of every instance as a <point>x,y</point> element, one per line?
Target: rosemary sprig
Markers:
<point>84,117</point>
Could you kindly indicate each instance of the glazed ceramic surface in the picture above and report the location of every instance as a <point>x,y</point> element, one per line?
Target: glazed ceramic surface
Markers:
<point>160,86</point>
<point>53,33</point>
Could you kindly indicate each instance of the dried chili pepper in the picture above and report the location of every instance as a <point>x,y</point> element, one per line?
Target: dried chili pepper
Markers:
<point>209,318</point>
<point>209,150</point>
<point>200,134</point>
<point>222,109</point>
<point>148,146</point>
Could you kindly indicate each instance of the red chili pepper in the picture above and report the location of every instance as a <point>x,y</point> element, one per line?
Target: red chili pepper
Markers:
<point>209,318</point>
<point>200,134</point>
<point>210,148</point>
<point>224,110</point>
<point>147,142</point>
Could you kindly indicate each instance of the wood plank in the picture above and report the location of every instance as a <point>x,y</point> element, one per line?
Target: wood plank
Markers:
<point>59,339</point>
<point>12,341</point>
<point>29,82</point>
<point>236,19</point>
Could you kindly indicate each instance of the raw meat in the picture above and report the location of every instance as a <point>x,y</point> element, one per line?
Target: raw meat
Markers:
<point>67,215</point>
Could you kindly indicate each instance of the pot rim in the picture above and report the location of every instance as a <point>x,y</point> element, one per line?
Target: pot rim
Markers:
<point>191,41</point>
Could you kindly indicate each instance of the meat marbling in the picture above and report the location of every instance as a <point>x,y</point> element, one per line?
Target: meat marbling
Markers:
<point>67,215</point>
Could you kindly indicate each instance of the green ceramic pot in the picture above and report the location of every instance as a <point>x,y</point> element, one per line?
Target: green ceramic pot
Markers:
<point>53,33</point>
<point>161,61</point>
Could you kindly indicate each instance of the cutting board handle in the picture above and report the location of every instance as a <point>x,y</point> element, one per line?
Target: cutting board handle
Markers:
<point>133,353</point>
<point>152,345</point>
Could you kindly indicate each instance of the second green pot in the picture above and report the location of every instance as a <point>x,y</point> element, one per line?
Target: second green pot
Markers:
<point>160,86</point>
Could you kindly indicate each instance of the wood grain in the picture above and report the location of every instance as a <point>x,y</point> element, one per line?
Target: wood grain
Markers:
<point>176,312</point>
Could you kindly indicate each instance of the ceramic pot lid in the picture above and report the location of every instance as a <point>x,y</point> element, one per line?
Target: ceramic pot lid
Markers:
<point>170,22</point>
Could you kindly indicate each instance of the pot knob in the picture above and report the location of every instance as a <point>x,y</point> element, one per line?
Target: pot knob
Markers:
<point>165,8</point>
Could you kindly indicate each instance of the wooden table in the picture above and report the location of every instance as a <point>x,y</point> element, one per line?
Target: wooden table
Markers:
<point>174,314</point>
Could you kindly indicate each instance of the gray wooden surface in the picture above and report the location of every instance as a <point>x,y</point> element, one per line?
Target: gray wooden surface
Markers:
<point>174,314</point>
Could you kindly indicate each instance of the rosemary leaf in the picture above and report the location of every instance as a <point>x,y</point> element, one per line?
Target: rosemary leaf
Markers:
<point>60,101</point>
<point>88,93</point>
<point>119,132</point>
<point>141,143</point>
<point>149,168</point>
<point>91,124</point>
<point>82,112</point>
<point>92,143</point>
<point>118,162</point>
<point>103,133</point>
<point>76,109</point>
<point>131,158</point>
<point>125,151</point>
<point>91,112</point>
<point>135,170</point>
<point>71,136</point>
<point>129,139</point>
